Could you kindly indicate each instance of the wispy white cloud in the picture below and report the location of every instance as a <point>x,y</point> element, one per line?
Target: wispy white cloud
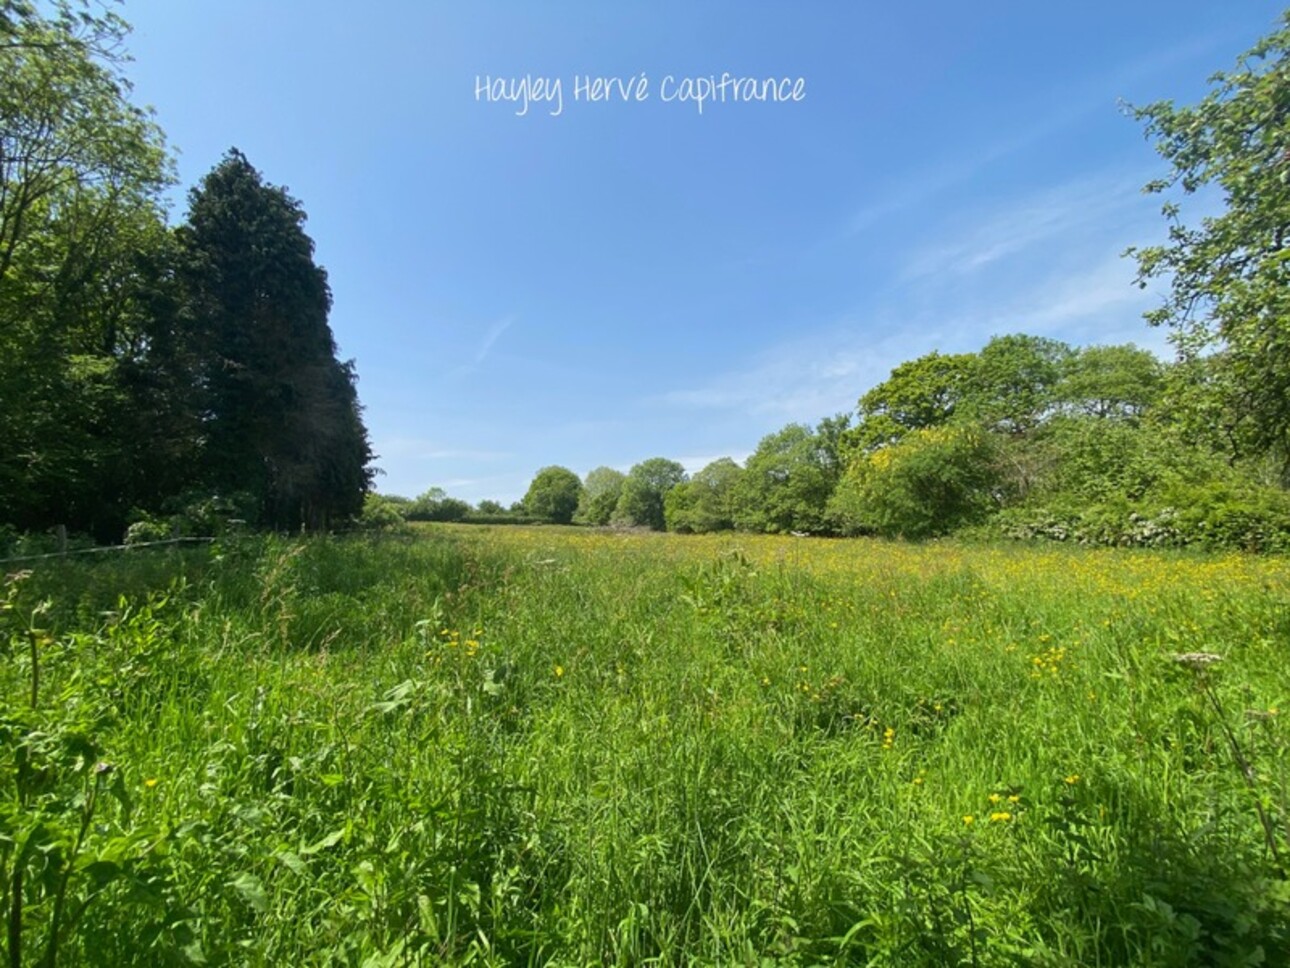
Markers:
<point>927,183</point>
<point>1075,210</point>
<point>1047,264</point>
<point>807,378</point>
<point>491,336</point>
<point>1098,94</point>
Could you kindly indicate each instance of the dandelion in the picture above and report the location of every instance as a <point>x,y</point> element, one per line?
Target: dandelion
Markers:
<point>1014,798</point>
<point>1000,816</point>
<point>968,819</point>
<point>559,671</point>
<point>150,782</point>
<point>994,798</point>
<point>1072,779</point>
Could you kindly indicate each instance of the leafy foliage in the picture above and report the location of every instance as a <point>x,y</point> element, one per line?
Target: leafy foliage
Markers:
<point>788,480</point>
<point>1011,384</point>
<point>1228,275</point>
<point>640,503</point>
<point>140,371</point>
<point>921,393</point>
<point>436,505</point>
<point>553,495</point>
<point>87,359</point>
<point>1121,382</point>
<point>709,501</point>
<point>933,481</point>
<point>600,493</point>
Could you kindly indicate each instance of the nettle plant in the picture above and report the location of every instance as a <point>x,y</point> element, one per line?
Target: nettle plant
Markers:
<point>68,835</point>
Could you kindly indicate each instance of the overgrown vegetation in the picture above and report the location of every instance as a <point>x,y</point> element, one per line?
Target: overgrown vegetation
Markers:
<point>540,746</point>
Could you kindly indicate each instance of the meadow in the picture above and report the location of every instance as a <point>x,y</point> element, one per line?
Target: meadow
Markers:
<point>551,746</point>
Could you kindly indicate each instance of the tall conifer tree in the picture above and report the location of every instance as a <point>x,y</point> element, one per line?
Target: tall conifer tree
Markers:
<point>283,421</point>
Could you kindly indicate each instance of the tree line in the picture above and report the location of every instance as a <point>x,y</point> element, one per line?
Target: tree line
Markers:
<point>1030,437</point>
<point>151,373</point>
<point>1027,437</point>
<point>166,378</point>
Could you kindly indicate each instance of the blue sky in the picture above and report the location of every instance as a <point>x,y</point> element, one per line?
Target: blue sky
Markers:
<point>638,279</point>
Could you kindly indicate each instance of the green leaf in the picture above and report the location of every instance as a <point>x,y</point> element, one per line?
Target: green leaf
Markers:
<point>292,862</point>
<point>252,891</point>
<point>330,840</point>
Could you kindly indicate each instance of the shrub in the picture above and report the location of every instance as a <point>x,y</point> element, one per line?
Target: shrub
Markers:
<point>380,513</point>
<point>933,481</point>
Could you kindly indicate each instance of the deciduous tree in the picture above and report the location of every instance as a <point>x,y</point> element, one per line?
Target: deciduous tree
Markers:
<point>1110,382</point>
<point>641,501</point>
<point>553,495</point>
<point>1229,274</point>
<point>87,366</point>
<point>708,501</point>
<point>1010,385</point>
<point>788,480</point>
<point>919,393</point>
<point>600,493</point>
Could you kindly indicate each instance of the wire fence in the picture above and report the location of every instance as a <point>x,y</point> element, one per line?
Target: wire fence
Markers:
<point>105,548</point>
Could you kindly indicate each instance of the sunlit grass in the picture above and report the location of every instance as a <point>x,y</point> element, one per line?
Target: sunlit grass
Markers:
<point>540,745</point>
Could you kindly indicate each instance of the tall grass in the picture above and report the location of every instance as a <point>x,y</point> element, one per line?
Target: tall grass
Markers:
<point>546,746</point>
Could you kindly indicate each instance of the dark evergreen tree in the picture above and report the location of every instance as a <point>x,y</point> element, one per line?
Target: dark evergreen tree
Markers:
<point>282,418</point>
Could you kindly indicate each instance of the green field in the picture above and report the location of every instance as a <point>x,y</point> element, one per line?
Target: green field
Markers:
<point>559,746</point>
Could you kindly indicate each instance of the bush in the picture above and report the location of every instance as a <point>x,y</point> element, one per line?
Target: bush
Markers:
<point>147,529</point>
<point>380,513</point>
<point>934,481</point>
<point>435,505</point>
<point>212,515</point>
<point>1214,515</point>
